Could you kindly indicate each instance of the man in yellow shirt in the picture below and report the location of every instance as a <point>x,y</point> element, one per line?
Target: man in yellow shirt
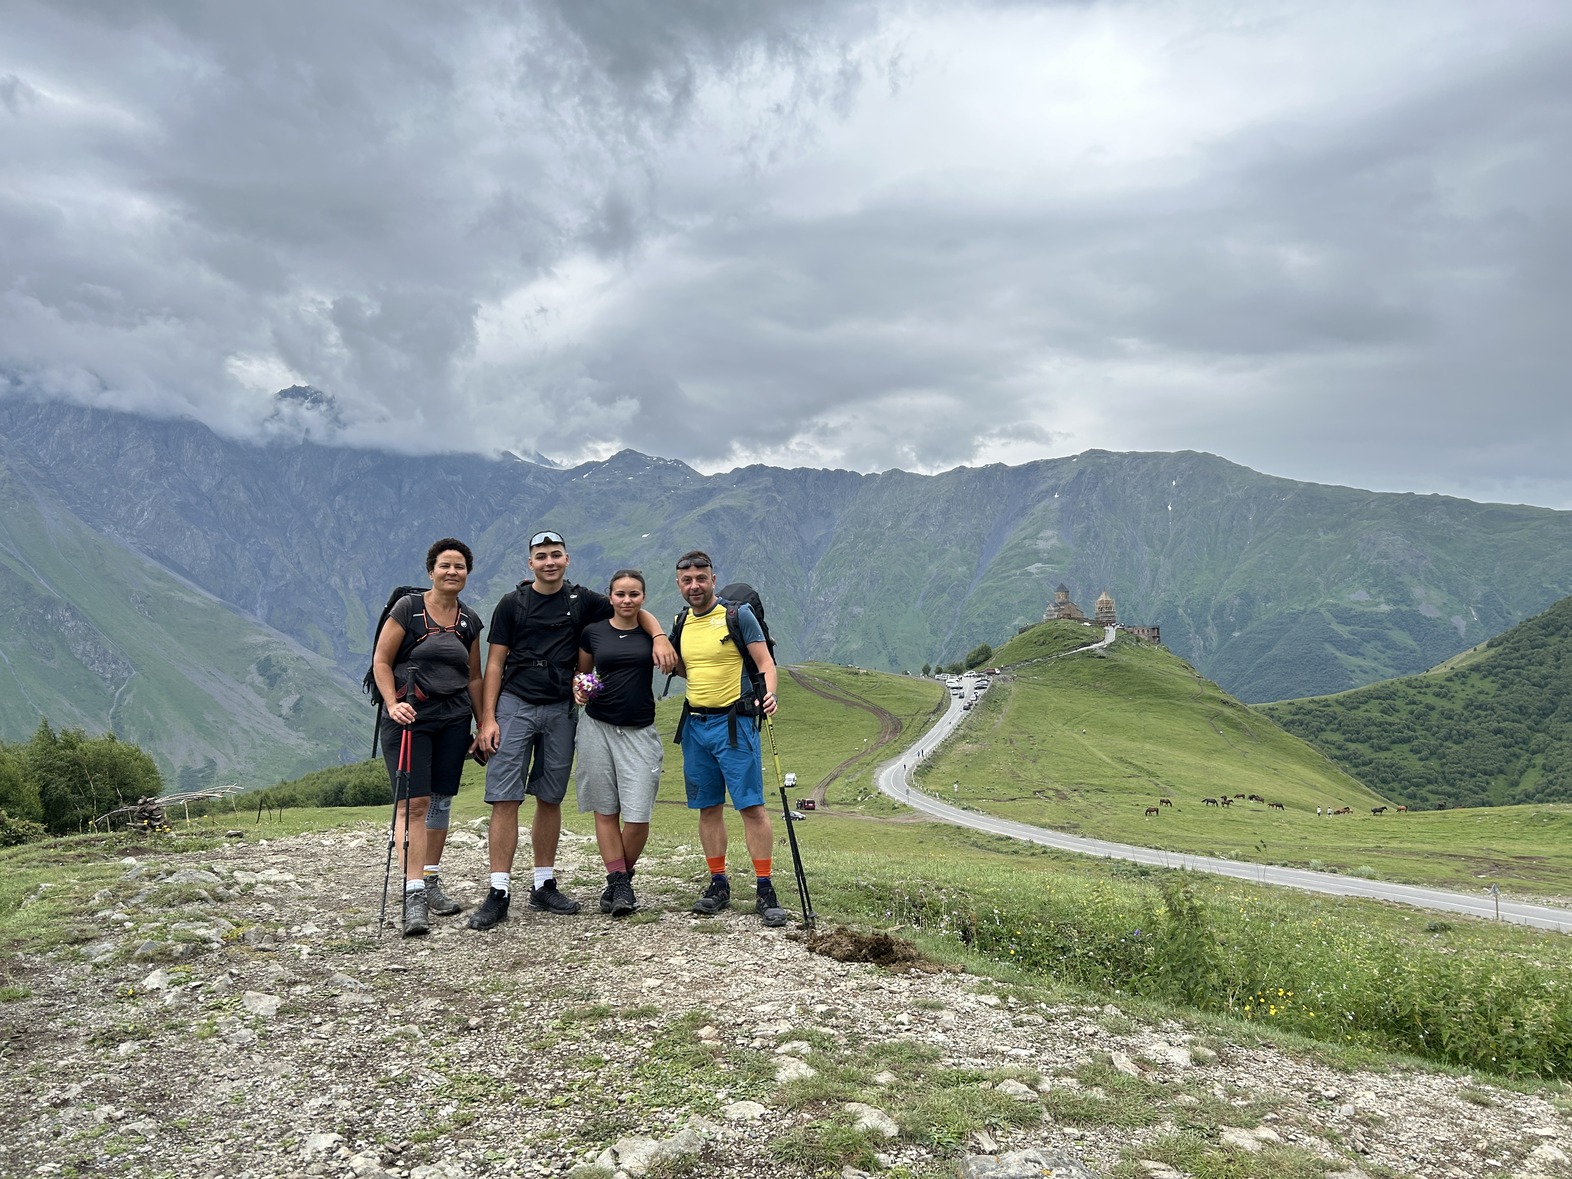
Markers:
<point>719,731</point>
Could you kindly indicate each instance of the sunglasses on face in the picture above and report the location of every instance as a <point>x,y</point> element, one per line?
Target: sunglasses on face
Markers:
<point>545,538</point>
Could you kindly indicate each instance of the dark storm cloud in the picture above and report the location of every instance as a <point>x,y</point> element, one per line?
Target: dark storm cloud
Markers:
<point>1330,241</point>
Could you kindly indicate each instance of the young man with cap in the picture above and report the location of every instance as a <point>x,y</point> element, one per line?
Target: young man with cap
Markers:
<point>527,718</point>
<point>719,733</point>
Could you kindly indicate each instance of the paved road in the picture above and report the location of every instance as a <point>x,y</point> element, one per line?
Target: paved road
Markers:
<point>894,779</point>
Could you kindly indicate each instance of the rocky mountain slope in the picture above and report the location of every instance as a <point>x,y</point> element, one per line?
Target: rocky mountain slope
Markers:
<point>232,1012</point>
<point>1270,587</point>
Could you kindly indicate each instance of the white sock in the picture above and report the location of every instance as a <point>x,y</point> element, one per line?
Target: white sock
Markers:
<point>544,874</point>
<point>414,886</point>
<point>499,881</point>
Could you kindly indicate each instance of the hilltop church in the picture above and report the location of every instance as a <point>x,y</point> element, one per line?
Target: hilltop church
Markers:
<point>1104,613</point>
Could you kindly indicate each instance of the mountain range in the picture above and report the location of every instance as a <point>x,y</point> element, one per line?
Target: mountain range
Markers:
<point>212,598</point>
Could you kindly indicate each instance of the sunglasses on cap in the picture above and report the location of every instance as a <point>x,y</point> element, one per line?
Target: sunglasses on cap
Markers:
<point>546,538</point>
<point>694,563</point>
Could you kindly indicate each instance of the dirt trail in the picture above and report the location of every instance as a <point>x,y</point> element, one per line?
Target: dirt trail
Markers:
<point>889,724</point>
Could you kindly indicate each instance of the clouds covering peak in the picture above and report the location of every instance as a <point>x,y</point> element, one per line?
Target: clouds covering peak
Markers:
<point>1325,240</point>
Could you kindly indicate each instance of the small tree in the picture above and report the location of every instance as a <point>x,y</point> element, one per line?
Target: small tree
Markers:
<point>978,656</point>
<point>927,669</point>
<point>18,788</point>
<point>81,777</point>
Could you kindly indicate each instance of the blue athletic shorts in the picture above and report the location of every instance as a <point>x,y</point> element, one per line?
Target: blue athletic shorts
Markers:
<point>711,765</point>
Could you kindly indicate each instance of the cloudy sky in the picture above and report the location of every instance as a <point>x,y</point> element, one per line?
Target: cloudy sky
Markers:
<point>1329,240</point>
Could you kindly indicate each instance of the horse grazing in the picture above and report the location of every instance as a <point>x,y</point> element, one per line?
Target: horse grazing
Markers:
<point>1276,806</point>
<point>1378,810</point>
<point>1211,802</point>
<point>1402,810</point>
<point>1152,810</point>
<point>1227,801</point>
<point>1166,801</point>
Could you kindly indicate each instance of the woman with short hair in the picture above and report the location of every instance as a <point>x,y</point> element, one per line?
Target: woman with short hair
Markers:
<point>427,671</point>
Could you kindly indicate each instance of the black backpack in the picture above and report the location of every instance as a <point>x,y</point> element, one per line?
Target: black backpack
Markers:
<point>368,684</point>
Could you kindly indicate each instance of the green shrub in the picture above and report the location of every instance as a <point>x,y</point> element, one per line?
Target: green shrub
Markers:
<point>15,831</point>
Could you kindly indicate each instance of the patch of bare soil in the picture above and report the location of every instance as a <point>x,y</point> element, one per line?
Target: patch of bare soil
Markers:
<point>881,949</point>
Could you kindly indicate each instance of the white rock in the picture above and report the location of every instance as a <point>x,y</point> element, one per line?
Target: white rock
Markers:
<point>884,1077</point>
<point>794,1048</point>
<point>260,1004</point>
<point>1172,1054</point>
<point>318,1145</point>
<point>794,1069</point>
<point>1123,1063</point>
<point>743,1111</point>
<point>872,1118</point>
<point>1546,1158</point>
<point>157,981</point>
<point>1243,1139</point>
<point>1015,1089</point>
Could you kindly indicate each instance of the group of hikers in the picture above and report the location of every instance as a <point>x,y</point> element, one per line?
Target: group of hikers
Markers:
<point>556,647</point>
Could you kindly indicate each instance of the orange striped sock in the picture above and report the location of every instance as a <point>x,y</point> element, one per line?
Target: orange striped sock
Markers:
<point>717,864</point>
<point>762,868</point>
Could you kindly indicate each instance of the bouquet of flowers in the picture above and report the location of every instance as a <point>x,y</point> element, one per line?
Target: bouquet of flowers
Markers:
<point>587,684</point>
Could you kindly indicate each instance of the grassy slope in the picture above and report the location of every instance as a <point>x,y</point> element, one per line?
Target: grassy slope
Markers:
<point>194,664</point>
<point>1492,726</point>
<point>1087,743</point>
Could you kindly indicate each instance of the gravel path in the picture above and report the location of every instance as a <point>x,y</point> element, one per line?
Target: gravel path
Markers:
<point>232,1013</point>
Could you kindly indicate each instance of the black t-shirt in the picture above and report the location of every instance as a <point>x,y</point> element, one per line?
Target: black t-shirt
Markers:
<point>625,662</point>
<point>542,642</point>
<point>440,656</point>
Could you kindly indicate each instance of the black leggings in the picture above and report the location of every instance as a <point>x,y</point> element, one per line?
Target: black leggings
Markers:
<point>437,757</point>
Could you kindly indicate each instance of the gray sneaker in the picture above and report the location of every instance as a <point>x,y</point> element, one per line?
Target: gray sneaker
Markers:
<point>416,920</point>
<point>440,904</point>
<point>769,906</point>
<point>716,897</point>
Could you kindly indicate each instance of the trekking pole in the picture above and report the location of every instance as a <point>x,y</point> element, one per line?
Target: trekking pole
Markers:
<point>400,782</point>
<point>791,830</point>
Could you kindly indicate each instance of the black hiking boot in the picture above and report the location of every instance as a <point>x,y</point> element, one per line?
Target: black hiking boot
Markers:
<point>716,897</point>
<point>548,898</point>
<point>605,896</point>
<point>492,910</point>
<point>416,921</point>
<point>769,906</point>
<point>622,901</point>
<point>440,904</point>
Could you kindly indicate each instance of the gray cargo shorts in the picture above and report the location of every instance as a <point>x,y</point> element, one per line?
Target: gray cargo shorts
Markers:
<point>535,751</point>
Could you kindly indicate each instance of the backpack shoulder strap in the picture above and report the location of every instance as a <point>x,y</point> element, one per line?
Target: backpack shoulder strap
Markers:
<point>676,642</point>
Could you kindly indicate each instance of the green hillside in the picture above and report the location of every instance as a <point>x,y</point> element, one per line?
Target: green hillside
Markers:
<point>1490,727</point>
<point>93,637</point>
<point>1086,742</point>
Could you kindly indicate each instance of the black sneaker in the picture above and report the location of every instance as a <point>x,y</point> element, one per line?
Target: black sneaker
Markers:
<point>716,897</point>
<point>605,896</point>
<point>550,899</point>
<point>416,921</point>
<point>622,902</point>
<point>440,904</point>
<point>769,906</point>
<point>492,910</point>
